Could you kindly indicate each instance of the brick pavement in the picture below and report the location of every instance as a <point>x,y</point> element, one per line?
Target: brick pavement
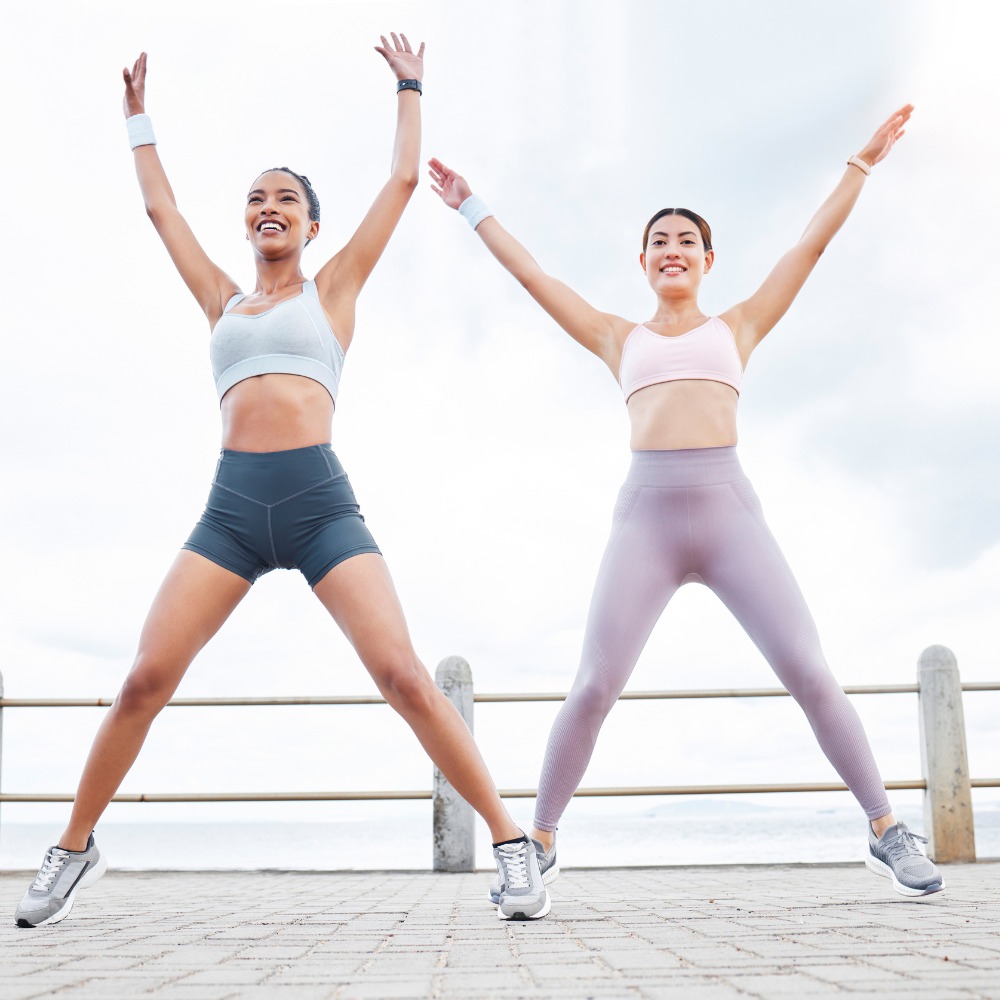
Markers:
<point>700,933</point>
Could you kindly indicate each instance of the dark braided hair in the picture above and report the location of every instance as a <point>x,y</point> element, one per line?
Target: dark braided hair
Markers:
<point>311,197</point>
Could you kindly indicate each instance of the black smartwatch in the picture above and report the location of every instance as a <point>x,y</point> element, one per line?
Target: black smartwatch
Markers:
<point>409,85</point>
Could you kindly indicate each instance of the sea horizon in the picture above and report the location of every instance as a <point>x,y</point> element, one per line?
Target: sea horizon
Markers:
<point>673,833</point>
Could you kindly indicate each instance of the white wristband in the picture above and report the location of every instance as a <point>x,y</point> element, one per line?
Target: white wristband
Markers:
<point>856,161</point>
<point>474,210</point>
<point>140,131</point>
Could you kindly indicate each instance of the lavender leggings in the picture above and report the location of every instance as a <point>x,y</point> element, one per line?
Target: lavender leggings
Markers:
<point>683,516</point>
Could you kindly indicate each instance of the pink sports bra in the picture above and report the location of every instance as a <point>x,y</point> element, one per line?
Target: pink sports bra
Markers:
<point>707,352</point>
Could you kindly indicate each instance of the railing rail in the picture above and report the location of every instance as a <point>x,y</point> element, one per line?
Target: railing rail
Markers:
<point>947,808</point>
<point>515,697</point>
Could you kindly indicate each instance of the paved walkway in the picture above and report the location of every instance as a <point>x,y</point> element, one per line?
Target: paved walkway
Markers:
<point>657,933</point>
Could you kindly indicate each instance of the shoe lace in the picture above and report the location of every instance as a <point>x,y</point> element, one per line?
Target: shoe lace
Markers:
<point>516,865</point>
<point>904,844</point>
<point>51,867</point>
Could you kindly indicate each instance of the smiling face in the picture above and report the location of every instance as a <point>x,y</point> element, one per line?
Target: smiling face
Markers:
<point>277,215</point>
<point>675,257</point>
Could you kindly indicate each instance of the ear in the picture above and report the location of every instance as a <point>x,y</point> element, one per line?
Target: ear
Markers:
<point>642,261</point>
<point>709,261</point>
<point>313,230</point>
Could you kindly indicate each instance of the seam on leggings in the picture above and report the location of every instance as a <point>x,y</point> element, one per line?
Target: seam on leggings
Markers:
<point>236,493</point>
<point>261,503</point>
<point>292,496</point>
<point>687,517</point>
<point>270,535</point>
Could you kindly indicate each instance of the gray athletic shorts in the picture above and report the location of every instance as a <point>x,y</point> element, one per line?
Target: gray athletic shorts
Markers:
<point>281,510</point>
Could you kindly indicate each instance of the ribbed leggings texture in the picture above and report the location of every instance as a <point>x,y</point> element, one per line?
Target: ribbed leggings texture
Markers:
<point>692,515</point>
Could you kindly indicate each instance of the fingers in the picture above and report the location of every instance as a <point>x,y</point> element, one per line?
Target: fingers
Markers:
<point>898,119</point>
<point>439,172</point>
<point>137,76</point>
<point>400,43</point>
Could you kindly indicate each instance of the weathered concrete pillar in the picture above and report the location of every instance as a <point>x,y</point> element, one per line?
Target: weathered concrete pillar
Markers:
<point>454,818</point>
<point>948,799</point>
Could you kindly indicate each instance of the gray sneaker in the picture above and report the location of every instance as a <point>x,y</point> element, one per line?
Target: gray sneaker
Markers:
<point>896,855</point>
<point>50,897</point>
<point>548,867</point>
<point>522,893</point>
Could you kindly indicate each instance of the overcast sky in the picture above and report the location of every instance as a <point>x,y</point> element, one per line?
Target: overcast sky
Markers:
<point>485,446</point>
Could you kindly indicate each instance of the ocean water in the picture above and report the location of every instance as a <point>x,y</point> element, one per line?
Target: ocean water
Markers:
<point>398,837</point>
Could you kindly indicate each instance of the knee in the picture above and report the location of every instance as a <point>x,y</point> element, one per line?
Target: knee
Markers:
<point>407,686</point>
<point>592,699</point>
<point>145,691</point>
<point>815,689</point>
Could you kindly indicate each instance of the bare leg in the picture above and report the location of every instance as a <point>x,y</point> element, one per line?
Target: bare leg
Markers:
<point>193,601</point>
<point>883,823</point>
<point>360,596</point>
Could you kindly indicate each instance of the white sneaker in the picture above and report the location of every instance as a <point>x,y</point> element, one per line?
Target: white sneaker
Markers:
<point>63,873</point>
<point>522,892</point>
<point>547,866</point>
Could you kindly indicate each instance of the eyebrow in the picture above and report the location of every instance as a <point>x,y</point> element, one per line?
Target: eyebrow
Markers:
<point>660,232</point>
<point>280,191</point>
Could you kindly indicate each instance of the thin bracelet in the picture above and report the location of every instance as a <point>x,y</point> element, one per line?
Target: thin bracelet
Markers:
<point>474,210</point>
<point>856,161</point>
<point>140,131</point>
<point>410,85</point>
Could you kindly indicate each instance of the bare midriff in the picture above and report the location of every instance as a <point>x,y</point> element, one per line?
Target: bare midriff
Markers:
<point>276,412</point>
<point>690,413</point>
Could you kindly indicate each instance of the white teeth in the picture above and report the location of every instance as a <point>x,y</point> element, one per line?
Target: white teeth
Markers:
<point>272,226</point>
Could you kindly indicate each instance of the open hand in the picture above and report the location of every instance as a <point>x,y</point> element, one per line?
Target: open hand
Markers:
<point>886,135</point>
<point>452,188</point>
<point>402,60</point>
<point>134,102</point>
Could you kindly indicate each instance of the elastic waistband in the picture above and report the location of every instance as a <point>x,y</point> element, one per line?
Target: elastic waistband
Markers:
<point>685,467</point>
<point>268,458</point>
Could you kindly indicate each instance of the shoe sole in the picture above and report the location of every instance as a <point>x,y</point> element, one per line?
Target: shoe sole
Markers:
<point>881,868</point>
<point>551,874</point>
<point>521,915</point>
<point>88,879</point>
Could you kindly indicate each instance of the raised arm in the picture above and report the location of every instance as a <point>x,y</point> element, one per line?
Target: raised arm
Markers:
<point>753,319</point>
<point>340,280</point>
<point>209,284</point>
<point>598,331</point>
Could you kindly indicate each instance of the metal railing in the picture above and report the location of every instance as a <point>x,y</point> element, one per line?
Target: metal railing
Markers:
<point>946,781</point>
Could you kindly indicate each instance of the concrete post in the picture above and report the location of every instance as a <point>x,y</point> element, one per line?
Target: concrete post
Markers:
<point>943,757</point>
<point>454,819</point>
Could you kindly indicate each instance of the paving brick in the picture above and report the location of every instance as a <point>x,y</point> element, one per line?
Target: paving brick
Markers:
<point>652,934</point>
